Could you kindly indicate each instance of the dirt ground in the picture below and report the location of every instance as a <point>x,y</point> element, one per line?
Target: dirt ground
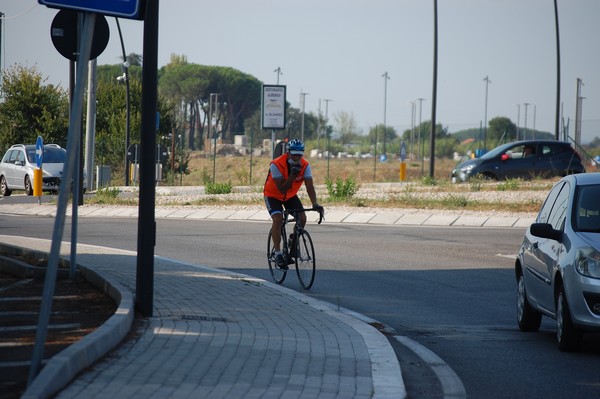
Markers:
<point>77,309</point>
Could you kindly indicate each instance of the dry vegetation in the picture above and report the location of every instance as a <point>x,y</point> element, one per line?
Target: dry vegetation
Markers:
<point>237,170</point>
<point>417,191</point>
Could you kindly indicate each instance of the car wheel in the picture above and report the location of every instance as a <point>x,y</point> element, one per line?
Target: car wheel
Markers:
<point>28,186</point>
<point>528,318</point>
<point>4,190</point>
<point>569,338</point>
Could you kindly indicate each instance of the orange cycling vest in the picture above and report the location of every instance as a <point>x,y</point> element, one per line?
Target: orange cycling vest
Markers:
<point>271,190</point>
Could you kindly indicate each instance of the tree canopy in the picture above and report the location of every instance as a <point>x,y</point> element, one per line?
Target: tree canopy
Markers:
<point>31,108</point>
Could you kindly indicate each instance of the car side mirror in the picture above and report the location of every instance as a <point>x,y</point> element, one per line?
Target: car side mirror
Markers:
<point>504,157</point>
<point>19,163</point>
<point>545,230</point>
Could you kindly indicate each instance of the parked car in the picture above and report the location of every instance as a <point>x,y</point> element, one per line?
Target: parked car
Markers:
<point>558,265</point>
<point>18,164</point>
<point>522,159</point>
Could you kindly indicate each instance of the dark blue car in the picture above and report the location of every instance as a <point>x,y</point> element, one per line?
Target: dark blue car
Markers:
<point>526,159</point>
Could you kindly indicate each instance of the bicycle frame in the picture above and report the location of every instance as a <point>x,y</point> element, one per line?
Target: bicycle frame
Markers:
<point>300,251</point>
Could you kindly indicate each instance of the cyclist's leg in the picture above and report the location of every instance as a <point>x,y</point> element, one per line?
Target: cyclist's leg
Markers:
<point>275,208</point>
<point>296,203</point>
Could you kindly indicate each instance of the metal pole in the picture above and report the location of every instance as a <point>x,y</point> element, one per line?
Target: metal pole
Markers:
<point>127,106</point>
<point>215,137</point>
<point>386,77</point>
<point>327,135</point>
<point>420,144</point>
<point>434,91</point>
<point>303,97</point>
<point>518,119</point>
<point>146,220</point>
<point>487,82</point>
<point>73,143</point>
<point>412,129</point>
<point>557,116</point>
<point>525,134</point>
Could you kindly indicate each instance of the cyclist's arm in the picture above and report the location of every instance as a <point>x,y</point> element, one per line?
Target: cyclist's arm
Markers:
<point>310,190</point>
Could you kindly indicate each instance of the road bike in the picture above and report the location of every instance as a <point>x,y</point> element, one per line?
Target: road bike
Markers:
<point>298,249</point>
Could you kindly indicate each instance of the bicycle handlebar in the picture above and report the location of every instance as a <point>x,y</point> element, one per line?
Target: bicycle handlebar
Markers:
<point>295,212</point>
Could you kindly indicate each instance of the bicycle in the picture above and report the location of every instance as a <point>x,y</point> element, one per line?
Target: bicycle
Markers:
<point>299,250</point>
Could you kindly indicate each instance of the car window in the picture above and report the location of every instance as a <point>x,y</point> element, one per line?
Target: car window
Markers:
<point>20,157</point>
<point>588,208</point>
<point>559,210</point>
<point>521,151</point>
<point>31,155</point>
<point>12,156</point>
<point>54,155</point>
<point>544,213</point>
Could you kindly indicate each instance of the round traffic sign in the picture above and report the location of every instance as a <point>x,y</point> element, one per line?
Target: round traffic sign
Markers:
<point>64,33</point>
<point>39,151</point>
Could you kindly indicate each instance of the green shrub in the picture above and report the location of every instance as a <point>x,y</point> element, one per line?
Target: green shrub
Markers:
<point>476,183</point>
<point>341,189</point>
<point>217,188</point>
<point>429,181</point>
<point>509,185</point>
<point>107,192</point>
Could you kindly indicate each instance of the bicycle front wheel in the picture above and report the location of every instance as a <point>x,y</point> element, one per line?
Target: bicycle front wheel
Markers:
<point>277,273</point>
<point>305,260</point>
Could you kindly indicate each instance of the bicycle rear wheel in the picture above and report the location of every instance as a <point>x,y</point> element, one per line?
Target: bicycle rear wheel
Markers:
<point>305,260</point>
<point>277,274</point>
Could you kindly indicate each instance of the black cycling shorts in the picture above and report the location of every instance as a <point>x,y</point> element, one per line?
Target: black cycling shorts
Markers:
<point>276,206</point>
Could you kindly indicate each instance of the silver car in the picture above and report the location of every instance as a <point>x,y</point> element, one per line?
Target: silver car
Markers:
<point>558,265</point>
<point>18,164</point>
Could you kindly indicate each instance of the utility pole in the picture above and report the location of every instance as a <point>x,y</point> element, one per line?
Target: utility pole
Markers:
<point>211,109</point>
<point>273,137</point>
<point>328,139</point>
<point>525,134</point>
<point>278,70</point>
<point>1,19</point>
<point>518,119</point>
<point>302,99</point>
<point>386,77</point>
<point>487,82</point>
<point>420,144</point>
<point>578,104</point>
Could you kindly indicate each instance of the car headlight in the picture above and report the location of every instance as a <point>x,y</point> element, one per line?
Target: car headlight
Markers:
<point>467,169</point>
<point>587,262</point>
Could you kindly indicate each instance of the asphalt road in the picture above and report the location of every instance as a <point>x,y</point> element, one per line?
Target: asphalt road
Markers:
<point>449,289</point>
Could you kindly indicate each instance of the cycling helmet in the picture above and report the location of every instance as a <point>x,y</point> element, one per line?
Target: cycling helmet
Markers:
<point>296,146</point>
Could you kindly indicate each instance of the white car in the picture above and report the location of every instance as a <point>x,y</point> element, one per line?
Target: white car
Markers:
<point>18,164</point>
<point>558,265</point>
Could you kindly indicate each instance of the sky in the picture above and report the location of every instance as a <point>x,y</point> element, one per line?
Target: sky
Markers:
<point>339,50</point>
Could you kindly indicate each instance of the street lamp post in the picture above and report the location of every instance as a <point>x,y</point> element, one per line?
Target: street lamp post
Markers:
<point>421,148</point>
<point>518,119</point>
<point>210,112</point>
<point>127,106</point>
<point>525,134</point>
<point>386,77</point>
<point>303,98</point>
<point>487,82</point>
<point>327,135</point>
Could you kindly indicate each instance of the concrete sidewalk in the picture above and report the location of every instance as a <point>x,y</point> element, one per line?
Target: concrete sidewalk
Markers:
<point>399,217</point>
<point>215,334</point>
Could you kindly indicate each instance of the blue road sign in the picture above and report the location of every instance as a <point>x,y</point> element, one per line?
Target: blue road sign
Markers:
<point>403,152</point>
<point>39,151</point>
<point>118,8</point>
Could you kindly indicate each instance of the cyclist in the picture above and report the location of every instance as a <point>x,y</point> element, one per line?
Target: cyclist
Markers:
<point>286,175</point>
